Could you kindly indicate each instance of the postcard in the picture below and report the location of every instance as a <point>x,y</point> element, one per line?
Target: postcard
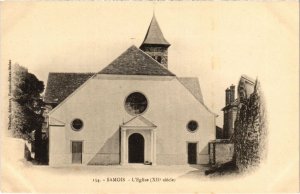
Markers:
<point>149,96</point>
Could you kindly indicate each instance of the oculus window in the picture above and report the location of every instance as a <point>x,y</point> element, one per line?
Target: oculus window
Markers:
<point>136,103</point>
<point>192,126</point>
<point>77,124</point>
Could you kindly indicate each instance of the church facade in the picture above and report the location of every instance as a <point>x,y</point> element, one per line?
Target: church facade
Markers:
<point>133,111</point>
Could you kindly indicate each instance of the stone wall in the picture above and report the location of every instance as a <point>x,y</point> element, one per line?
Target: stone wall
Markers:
<point>156,52</point>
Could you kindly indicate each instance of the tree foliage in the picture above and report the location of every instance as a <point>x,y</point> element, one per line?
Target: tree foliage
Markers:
<point>25,103</point>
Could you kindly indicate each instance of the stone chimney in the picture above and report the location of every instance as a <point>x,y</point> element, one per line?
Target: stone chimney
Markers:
<point>232,93</point>
<point>227,96</point>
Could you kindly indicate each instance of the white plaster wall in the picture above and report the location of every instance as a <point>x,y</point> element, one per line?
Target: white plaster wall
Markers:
<point>58,151</point>
<point>100,104</point>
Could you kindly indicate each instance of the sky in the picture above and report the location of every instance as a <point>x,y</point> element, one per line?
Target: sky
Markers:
<point>214,41</point>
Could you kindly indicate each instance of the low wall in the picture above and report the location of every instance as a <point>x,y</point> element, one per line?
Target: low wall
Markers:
<point>220,151</point>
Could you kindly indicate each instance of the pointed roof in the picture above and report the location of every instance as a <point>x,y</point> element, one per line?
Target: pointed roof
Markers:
<point>135,62</point>
<point>139,122</point>
<point>154,34</point>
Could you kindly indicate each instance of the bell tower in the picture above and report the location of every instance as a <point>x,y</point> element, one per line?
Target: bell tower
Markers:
<point>155,44</point>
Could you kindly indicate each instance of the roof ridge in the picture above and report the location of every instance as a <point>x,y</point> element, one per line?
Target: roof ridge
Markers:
<point>72,72</point>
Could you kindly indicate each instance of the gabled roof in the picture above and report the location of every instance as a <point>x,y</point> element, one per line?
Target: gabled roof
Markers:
<point>61,85</point>
<point>154,34</point>
<point>192,84</point>
<point>135,62</point>
<point>139,122</point>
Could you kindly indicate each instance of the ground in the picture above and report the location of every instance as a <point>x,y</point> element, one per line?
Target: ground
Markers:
<point>21,175</point>
<point>33,177</point>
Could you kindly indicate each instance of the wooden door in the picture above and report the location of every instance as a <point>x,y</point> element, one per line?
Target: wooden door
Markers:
<point>192,153</point>
<point>76,152</point>
<point>136,146</point>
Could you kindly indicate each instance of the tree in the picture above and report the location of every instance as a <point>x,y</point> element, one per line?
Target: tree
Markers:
<point>26,105</point>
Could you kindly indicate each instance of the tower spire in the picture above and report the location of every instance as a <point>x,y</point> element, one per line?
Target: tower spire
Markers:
<point>154,34</point>
<point>155,43</point>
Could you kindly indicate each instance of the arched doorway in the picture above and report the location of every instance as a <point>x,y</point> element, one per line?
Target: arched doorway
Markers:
<point>136,144</point>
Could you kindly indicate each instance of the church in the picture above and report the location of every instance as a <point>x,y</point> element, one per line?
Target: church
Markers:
<point>134,111</point>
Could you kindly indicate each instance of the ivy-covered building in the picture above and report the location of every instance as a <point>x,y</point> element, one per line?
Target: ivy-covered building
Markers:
<point>245,88</point>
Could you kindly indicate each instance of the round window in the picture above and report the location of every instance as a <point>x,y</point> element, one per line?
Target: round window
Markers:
<point>77,124</point>
<point>136,103</point>
<point>192,126</point>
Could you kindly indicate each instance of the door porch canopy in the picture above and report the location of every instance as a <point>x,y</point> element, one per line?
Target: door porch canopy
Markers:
<point>140,125</point>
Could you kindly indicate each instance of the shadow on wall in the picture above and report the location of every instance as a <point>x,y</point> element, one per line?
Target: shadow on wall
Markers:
<point>109,153</point>
<point>204,155</point>
<point>204,151</point>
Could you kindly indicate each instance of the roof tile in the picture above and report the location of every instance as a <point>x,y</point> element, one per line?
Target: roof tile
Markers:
<point>61,85</point>
<point>135,62</point>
